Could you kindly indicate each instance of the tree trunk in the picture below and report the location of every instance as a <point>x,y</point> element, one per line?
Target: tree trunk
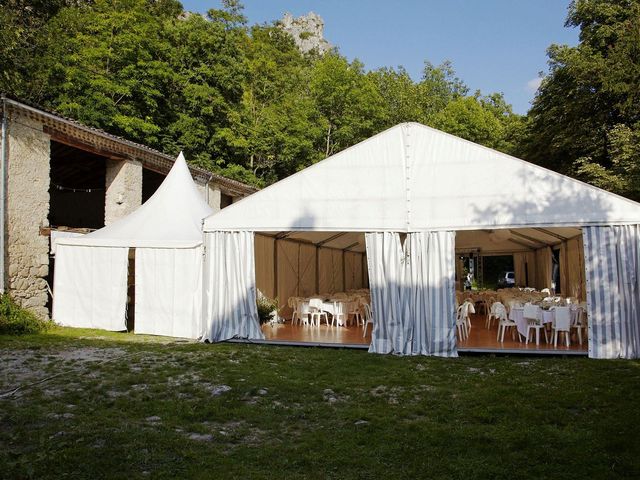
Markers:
<point>327,149</point>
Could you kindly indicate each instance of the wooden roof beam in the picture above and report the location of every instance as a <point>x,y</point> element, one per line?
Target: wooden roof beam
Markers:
<point>552,234</point>
<point>528,238</point>
<point>330,239</point>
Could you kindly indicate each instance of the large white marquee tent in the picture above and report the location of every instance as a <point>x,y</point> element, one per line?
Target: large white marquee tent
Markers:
<point>407,191</point>
<point>90,283</point>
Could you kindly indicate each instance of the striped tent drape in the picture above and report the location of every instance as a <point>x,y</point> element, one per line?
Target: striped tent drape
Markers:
<point>391,327</point>
<point>612,263</point>
<point>430,282</point>
<point>229,309</point>
<point>412,293</point>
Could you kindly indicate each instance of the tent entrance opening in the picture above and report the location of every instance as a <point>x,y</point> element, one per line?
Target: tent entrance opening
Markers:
<point>320,281</point>
<point>519,284</point>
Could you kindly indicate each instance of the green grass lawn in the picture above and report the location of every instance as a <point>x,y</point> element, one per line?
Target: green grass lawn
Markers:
<point>126,406</point>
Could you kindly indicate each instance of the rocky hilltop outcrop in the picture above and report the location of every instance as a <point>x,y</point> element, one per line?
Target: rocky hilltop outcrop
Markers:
<point>307,31</point>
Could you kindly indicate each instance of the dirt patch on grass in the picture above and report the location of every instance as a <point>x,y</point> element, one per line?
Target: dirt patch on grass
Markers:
<point>24,366</point>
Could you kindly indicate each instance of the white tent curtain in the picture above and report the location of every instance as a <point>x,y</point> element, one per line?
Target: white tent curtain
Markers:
<point>612,263</point>
<point>91,287</point>
<point>391,326</point>
<point>430,282</point>
<point>412,293</point>
<point>229,309</point>
<point>168,298</point>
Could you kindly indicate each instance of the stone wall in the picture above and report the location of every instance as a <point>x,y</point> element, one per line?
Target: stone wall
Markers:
<point>27,211</point>
<point>123,185</point>
<point>211,193</point>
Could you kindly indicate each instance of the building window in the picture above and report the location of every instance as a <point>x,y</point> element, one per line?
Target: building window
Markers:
<point>225,200</point>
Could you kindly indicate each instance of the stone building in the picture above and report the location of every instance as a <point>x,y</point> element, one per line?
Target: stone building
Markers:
<point>61,176</point>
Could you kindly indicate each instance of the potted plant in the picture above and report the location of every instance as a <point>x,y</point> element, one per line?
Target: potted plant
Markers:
<point>267,308</point>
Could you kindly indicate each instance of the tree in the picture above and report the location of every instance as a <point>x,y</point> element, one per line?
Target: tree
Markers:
<point>590,100</point>
<point>242,101</point>
<point>438,86</point>
<point>348,101</point>
<point>107,66</point>
<point>400,96</point>
<point>488,121</point>
<point>277,123</point>
<point>206,57</point>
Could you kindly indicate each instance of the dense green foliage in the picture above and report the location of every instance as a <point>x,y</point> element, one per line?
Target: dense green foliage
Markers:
<point>17,321</point>
<point>585,120</point>
<point>244,101</point>
<point>238,99</point>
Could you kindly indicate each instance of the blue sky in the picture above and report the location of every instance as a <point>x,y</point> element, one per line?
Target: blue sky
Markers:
<point>494,45</point>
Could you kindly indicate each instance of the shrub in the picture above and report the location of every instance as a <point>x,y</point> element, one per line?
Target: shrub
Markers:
<point>15,320</point>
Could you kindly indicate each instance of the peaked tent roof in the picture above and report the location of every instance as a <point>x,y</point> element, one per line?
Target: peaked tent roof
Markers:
<point>171,218</point>
<point>414,178</point>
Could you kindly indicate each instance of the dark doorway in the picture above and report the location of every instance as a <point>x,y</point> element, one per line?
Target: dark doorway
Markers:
<point>495,268</point>
<point>150,182</point>
<point>225,200</point>
<point>77,187</point>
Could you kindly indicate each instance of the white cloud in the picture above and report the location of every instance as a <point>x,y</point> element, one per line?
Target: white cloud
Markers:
<point>533,84</point>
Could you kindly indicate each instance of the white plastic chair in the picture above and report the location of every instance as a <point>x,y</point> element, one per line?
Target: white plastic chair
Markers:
<point>368,319</point>
<point>304,312</point>
<point>355,310</point>
<point>500,312</point>
<point>562,323</point>
<point>489,303</point>
<point>340,313</point>
<point>294,303</point>
<point>513,303</point>
<point>469,307</point>
<point>532,315</point>
<point>461,322</point>
<point>578,320</point>
<point>315,306</point>
<point>493,314</point>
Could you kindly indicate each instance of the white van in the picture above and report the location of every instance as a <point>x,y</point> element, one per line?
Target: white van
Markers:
<point>507,279</point>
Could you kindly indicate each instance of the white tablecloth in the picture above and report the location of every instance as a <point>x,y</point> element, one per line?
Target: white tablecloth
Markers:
<point>517,315</point>
<point>328,306</point>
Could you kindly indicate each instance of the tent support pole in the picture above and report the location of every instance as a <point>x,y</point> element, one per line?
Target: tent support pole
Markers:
<point>275,270</point>
<point>344,274</point>
<point>317,270</point>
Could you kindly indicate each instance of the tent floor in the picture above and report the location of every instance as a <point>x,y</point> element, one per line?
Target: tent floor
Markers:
<point>324,334</point>
<point>480,339</point>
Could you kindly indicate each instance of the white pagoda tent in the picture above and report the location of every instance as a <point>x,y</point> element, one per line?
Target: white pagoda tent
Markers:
<point>90,282</point>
